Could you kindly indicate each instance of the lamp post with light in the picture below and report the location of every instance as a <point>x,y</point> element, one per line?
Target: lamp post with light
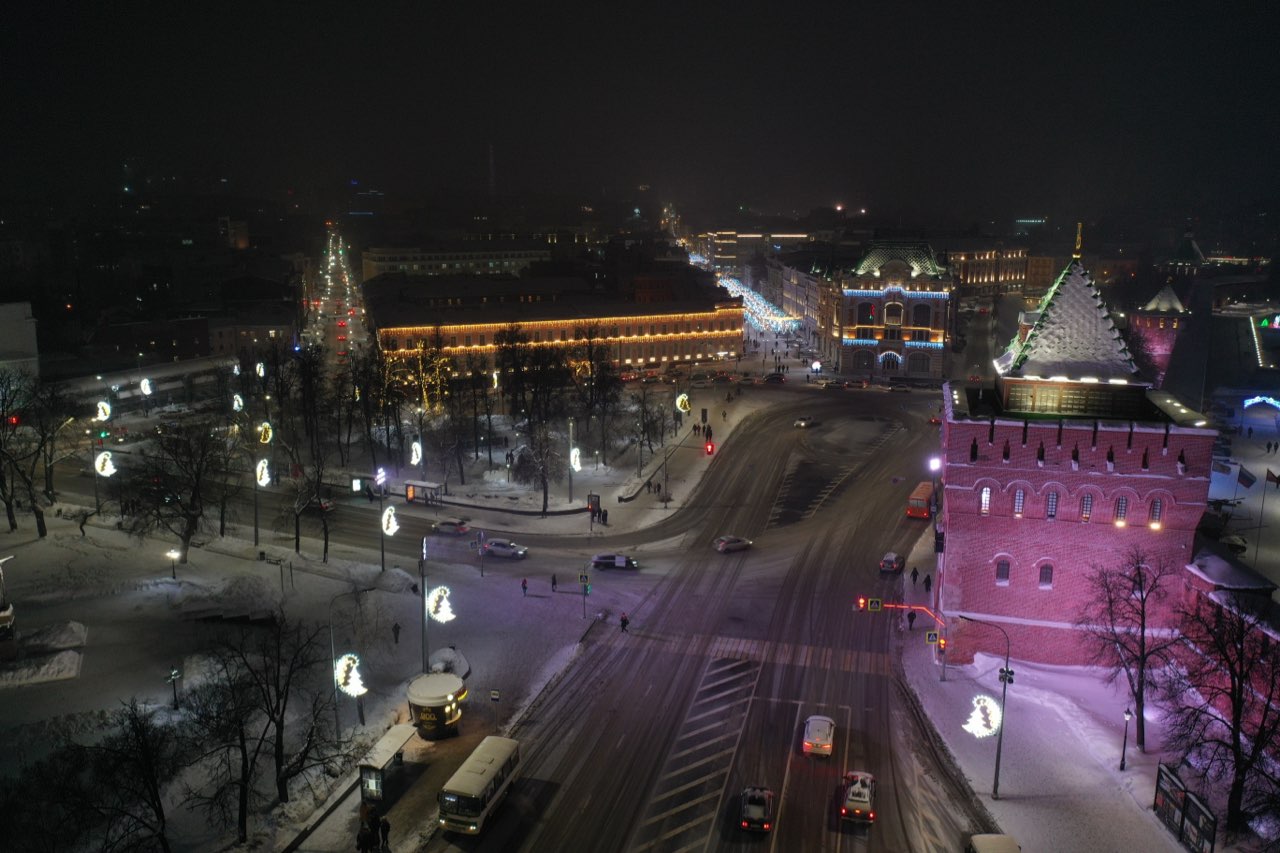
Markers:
<point>379,479</point>
<point>173,556</point>
<point>1006,678</point>
<point>935,465</point>
<point>333,655</point>
<point>1124,745</point>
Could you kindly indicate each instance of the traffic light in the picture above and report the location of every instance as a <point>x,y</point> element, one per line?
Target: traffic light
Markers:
<point>13,420</point>
<point>103,433</point>
<point>711,447</point>
<point>862,602</point>
<point>588,589</point>
<point>942,645</point>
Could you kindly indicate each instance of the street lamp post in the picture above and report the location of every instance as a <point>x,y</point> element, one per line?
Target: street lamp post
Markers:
<point>570,466</point>
<point>1124,745</point>
<point>173,556</point>
<point>422,585</point>
<point>1006,678</point>
<point>333,655</point>
<point>380,478</point>
<point>935,465</point>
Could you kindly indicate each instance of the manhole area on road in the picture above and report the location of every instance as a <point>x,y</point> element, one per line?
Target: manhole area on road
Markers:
<point>803,490</point>
<point>682,807</point>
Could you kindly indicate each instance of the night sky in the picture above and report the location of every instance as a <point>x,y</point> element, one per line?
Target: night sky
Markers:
<point>980,110</point>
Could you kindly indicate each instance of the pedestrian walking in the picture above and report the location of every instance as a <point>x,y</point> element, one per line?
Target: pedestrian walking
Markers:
<point>524,587</point>
<point>915,573</point>
<point>911,620</point>
<point>604,517</point>
<point>553,583</point>
<point>928,583</point>
<point>384,829</point>
<point>395,632</point>
<point>724,416</point>
<point>364,840</point>
<point>624,622</point>
<point>1250,432</point>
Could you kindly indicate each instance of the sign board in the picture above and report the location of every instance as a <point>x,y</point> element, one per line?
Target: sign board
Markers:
<point>494,695</point>
<point>874,604</point>
<point>584,579</point>
<point>931,637</point>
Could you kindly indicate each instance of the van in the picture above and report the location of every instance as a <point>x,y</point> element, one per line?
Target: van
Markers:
<point>992,844</point>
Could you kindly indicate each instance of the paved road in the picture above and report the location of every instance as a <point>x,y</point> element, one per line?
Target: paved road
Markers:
<point>644,742</point>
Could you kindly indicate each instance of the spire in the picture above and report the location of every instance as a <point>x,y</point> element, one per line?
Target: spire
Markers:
<point>1079,230</point>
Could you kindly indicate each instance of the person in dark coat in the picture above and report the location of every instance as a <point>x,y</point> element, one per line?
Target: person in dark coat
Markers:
<point>384,829</point>
<point>915,574</point>
<point>928,583</point>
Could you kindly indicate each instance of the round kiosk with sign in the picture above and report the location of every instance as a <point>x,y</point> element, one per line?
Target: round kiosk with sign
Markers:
<point>435,704</point>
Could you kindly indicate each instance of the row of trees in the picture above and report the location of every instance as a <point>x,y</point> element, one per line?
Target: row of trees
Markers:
<point>257,729</point>
<point>1216,676</point>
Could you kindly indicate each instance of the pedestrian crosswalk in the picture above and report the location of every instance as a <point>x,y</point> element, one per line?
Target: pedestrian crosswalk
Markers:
<point>779,653</point>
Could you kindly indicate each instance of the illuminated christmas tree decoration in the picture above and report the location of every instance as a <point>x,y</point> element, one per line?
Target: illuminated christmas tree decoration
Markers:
<point>263,473</point>
<point>438,607</point>
<point>389,524</point>
<point>261,370</point>
<point>104,410</point>
<point>347,674</point>
<point>265,433</point>
<point>415,453</point>
<point>237,403</point>
<point>103,464</point>
<point>145,385</point>
<point>682,403</point>
<point>235,368</point>
<point>984,720</point>
<point>575,459</point>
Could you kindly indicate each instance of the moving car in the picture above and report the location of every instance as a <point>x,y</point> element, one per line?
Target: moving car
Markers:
<point>892,562</point>
<point>899,387</point>
<point>775,379</point>
<point>858,800</point>
<point>725,544</point>
<point>756,803</point>
<point>450,527</point>
<point>819,735</point>
<point>323,504</point>
<point>935,419</point>
<point>613,561</point>
<point>835,384</point>
<point>804,422</point>
<point>504,548</point>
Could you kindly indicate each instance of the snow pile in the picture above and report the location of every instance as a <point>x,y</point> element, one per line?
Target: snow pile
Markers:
<point>53,638</point>
<point>57,667</point>
<point>240,595</point>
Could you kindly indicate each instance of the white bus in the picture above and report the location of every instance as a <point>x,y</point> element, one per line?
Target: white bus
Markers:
<point>479,785</point>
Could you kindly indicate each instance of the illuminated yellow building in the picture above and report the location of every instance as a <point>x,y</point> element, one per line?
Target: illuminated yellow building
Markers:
<point>408,316</point>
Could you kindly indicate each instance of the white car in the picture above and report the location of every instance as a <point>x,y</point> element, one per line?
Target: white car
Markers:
<point>803,422</point>
<point>819,735</point>
<point>450,527</point>
<point>858,802</point>
<point>613,561</point>
<point>504,548</point>
<point>725,544</point>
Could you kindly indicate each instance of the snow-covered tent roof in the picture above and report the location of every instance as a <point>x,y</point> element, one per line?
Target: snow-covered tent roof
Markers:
<point>1166,302</point>
<point>1073,335</point>
<point>919,256</point>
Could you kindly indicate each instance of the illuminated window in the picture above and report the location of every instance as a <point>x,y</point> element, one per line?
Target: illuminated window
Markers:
<point>1019,498</point>
<point>1157,510</point>
<point>1051,505</point>
<point>1122,509</point>
<point>1086,507</point>
<point>1002,572</point>
<point>1046,576</point>
<point>986,500</point>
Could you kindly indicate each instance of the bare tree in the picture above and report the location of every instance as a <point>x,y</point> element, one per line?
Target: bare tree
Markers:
<point>16,444</point>
<point>1120,622</point>
<point>540,462</point>
<point>1224,698</point>
<point>42,808</point>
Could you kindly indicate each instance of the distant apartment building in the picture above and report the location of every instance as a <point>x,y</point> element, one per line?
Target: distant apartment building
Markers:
<point>729,251</point>
<point>457,258</point>
<point>986,267</point>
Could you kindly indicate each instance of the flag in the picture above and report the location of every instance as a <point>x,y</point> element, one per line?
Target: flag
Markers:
<point>1246,479</point>
<point>1272,477</point>
<point>1222,468</point>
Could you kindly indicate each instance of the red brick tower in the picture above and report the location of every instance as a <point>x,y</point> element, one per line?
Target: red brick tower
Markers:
<point>1155,328</point>
<point>1068,461</point>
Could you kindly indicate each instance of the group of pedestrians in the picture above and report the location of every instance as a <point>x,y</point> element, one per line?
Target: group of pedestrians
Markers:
<point>374,834</point>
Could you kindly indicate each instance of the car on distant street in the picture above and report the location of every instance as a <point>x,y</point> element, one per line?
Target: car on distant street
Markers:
<point>721,378</point>
<point>900,388</point>
<point>725,544</point>
<point>804,422</point>
<point>858,797</point>
<point>775,379</point>
<point>935,419</point>
<point>323,504</point>
<point>342,324</point>
<point>504,548</point>
<point>892,562</point>
<point>613,561</point>
<point>450,527</point>
<point>755,809</point>
<point>835,384</point>
<point>819,735</point>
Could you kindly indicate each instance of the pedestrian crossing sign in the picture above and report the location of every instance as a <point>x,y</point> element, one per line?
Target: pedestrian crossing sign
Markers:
<point>931,637</point>
<point>873,605</point>
<point>584,579</point>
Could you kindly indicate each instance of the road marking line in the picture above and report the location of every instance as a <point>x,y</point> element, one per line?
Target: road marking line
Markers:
<point>713,757</point>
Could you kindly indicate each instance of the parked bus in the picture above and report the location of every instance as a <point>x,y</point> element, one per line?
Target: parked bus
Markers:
<point>920,501</point>
<point>476,789</point>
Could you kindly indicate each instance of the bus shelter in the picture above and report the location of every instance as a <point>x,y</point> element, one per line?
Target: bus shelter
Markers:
<point>382,771</point>
<point>421,491</point>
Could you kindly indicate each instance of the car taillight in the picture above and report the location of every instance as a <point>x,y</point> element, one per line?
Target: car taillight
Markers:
<point>871,815</point>
<point>808,745</point>
<point>744,824</point>
<point>843,811</point>
<point>766,826</point>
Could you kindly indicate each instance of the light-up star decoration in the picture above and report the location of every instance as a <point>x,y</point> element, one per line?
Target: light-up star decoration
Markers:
<point>103,464</point>
<point>346,672</point>
<point>145,385</point>
<point>984,720</point>
<point>263,473</point>
<point>682,403</point>
<point>438,605</point>
<point>265,433</point>
<point>415,453</point>
<point>575,459</point>
<point>389,524</point>
<point>237,403</point>
<point>104,411</point>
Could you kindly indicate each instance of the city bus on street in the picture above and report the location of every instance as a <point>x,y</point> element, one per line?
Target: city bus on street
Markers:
<point>920,501</point>
<point>478,786</point>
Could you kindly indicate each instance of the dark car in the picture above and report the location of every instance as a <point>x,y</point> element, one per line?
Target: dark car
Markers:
<point>756,809</point>
<point>892,562</point>
<point>775,379</point>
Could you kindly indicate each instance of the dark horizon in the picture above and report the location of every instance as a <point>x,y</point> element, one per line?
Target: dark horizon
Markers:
<point>951,116</point>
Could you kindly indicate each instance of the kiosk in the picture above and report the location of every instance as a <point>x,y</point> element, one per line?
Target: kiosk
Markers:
<point>435,704</point>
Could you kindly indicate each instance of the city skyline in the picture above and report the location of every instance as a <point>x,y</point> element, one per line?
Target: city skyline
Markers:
<point>1066,113</point>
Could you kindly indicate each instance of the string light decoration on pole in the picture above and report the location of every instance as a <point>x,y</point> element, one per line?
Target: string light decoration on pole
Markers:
<point>261,479</point>
<point>237,403</point>
<point>1006,678</point>
<point>104,411</point>
<point>388,525</point>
